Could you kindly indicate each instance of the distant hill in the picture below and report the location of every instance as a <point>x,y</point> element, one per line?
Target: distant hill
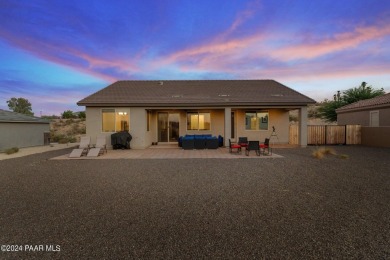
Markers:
<point>66,130</point>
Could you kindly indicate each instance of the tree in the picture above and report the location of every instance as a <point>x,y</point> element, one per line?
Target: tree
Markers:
<point>360,93</point>
<point>82,114</point>
<point>20,105</point>
<point>327,110</point>
<point>68,114</point>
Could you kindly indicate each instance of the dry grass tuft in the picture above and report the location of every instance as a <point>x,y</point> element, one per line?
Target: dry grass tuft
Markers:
<point>12,150</point>
<point>343,156</point>
<point>320,152</point>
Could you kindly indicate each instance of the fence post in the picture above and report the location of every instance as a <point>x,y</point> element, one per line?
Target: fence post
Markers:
<point>345,135</point>
<point>326,134</point>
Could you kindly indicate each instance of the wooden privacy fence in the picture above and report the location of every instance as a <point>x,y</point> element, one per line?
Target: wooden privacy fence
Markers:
<point>327,134</point>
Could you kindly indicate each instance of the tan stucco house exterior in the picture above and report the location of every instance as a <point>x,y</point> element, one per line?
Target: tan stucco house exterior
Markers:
<point>162,110</point>
<point>19,130</point>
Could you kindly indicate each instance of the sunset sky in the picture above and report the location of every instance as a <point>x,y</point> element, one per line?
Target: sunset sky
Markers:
<point>55,53</point>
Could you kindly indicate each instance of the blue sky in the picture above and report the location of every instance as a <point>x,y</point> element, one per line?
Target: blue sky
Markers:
<point>55,53</point>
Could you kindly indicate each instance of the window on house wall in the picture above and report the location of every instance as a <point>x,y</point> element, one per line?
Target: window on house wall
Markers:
<point>198,121</point>
<point>374,118</point>
<point>115,120</point>
<point>256,120</point>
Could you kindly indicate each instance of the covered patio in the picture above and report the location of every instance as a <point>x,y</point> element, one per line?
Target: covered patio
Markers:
<point>173,152</point>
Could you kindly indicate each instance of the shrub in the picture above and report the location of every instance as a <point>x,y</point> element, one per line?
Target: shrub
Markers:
<point>68,114</point>
<point>67,139</point>
<point>63,141</point>
<point>82,114</point>
<point>50,117</point>
<point>320,152</point>
<point>343,156</point>
<point>12,150</point>
<point>75,128</point>
<point>69,121</point>
<point>56,137</point>
<point>72,139</point>
<point>293,118</point>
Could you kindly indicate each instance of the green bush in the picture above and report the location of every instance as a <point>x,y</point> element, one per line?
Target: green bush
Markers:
<point>12,150</point>
<point>67,139</point>
<point>56,137</point>
<point>68,114</point>
<point>82,114</point>
<point>72,139</point>
<point>293,118</point>
<point>63,141</point>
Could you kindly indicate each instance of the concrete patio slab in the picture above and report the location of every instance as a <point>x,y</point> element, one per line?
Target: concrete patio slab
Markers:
<point>36,149</point>
<point>170,153</point>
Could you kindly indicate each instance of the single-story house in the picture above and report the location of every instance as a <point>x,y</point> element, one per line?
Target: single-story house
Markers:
<point>374,117</point>
<point>19,130</point>
<point>163,110</point>
<point>369,112</point>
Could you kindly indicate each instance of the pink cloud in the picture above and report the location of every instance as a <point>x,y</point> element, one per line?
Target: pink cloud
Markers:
<point>255,56</point>
<point>325,71</point>
<point>334,44</point>
<point>220,47</point>
<point>47,51</point>
<point>242,17</point>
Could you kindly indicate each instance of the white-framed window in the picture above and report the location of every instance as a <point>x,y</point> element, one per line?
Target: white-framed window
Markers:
<point>374,118</point>
<point>115,119</point>
<point>256,120</point>
<point>198,121</point>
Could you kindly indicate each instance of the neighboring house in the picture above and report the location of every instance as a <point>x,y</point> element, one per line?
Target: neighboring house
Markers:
<point>19,130</point>
<point>161,111</point>
<point>374,117</point>
<point>368,112</point>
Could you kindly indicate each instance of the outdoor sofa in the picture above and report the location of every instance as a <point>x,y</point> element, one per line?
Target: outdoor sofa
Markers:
<point>204,141</point>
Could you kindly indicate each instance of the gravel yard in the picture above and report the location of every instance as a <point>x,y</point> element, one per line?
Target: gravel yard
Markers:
<point>291,207</point>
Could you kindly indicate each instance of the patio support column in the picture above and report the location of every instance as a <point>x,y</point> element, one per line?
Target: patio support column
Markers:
<point>228,124</point>
<point>303,126</point>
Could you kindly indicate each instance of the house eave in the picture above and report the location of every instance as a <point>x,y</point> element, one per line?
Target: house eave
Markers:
<point>197,105</point>
<point>348,110</point>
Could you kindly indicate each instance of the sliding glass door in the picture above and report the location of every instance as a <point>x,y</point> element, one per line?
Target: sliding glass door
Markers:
<point>168,127</point>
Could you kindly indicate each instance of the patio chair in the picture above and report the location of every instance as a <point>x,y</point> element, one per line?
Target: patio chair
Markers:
<point>83,147</point>
<point>234,146</point>
<point>253,146</point>
<point>243,141</point>
<point>99,148</point>
<point>265,146</point>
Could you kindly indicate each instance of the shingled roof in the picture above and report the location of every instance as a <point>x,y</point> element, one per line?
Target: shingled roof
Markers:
<point>181,93</point>
<point>375,102</point>
<point>13,117</point>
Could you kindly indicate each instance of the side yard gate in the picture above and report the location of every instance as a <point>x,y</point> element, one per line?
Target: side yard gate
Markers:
<point>328,134</point>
